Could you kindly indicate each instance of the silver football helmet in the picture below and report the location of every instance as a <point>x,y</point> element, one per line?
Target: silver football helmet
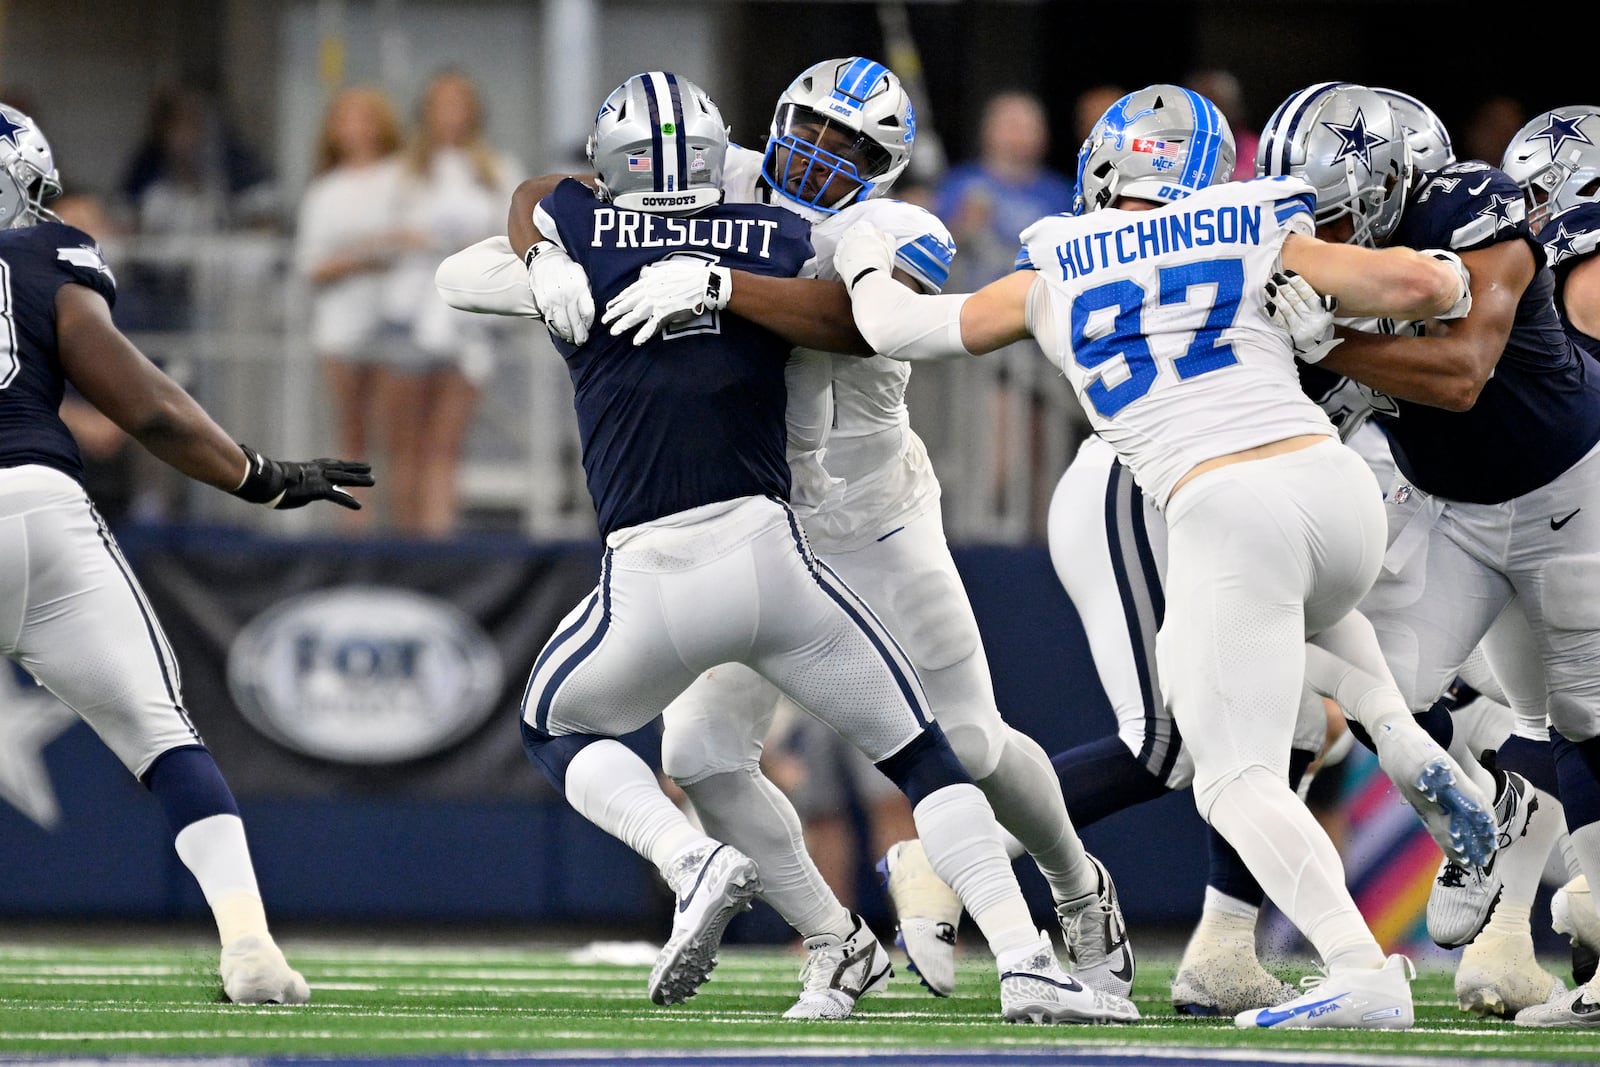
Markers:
<point>1162,142</point>
<point>658,145</point>
<point>1426,136</point>
<point>1556,160</point>
<point>1346,141</point>
<point>842,133</point>
<point>27,171</point>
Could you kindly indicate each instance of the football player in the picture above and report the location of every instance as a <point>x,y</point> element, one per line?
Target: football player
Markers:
<point>1473,524</point>
<point>841,134</point>
<point>1498,972</point>
<point>684,440</point>
<point>1274,528</point>
<point>74,615</point>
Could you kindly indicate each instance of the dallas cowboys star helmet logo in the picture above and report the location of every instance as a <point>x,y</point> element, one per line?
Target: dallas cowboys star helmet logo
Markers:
<point>1356,140</point>
<point>9,130</point>
<point>1559,130</point>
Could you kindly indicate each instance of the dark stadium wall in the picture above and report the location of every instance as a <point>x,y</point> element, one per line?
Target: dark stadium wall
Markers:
<point>463,830</point>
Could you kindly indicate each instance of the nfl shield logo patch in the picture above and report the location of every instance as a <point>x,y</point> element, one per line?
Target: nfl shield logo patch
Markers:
<point>1402,494</point>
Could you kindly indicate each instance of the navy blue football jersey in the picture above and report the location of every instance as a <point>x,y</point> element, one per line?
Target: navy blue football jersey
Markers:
<point>35,262</point>
<point>1570,238</point>
<point>1540,411</point>
<point>696,414</point>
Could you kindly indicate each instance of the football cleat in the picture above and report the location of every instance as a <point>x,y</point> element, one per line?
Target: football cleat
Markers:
<point>1499,975</point>
<point>1354,999</point>
<point>1454,811</point>
<point>254,972</point>
<point>1464,895</point>
<point>1096,937</point>
<point>928,912</point>
<point>1221,975</point>
<point>713,883</point>
<point>1581,1007</point>
<point>1034,989</point>
<point>838,972</point>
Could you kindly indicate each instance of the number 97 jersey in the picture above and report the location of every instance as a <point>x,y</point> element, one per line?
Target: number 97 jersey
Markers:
<point>1158,320</point>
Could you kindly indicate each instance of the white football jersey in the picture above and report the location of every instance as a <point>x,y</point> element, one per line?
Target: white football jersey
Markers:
<point>871,446</point>
<point>1158,320</point>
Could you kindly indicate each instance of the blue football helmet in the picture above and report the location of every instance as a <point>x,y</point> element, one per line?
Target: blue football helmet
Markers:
<point>1426,136</point>
<point>28,175</point>
<point>658,145</point>
<point>842,133</point>
<point>1556,160</point>
<point>1346,141</point>
<point>1161,143</point>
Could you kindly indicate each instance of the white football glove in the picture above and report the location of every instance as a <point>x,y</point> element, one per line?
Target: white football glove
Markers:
<point>863,249</point>
<point>680,287</point>
<point>1463,304</point>
<point>1306,314</point>
<point>560,291</point>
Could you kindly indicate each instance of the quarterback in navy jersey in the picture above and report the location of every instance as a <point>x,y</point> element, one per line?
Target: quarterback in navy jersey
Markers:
<point>71,609</point>
<point>700,419</point>
<point>706,564</point>
<point>1494,433</point>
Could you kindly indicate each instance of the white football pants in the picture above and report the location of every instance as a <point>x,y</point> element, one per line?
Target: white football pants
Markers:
<point>73,615</point>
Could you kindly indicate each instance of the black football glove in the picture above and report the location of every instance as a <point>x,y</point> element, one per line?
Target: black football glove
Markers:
<point>288,484</point>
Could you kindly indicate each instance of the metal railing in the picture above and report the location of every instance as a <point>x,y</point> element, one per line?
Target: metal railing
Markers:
<point>226,315</point>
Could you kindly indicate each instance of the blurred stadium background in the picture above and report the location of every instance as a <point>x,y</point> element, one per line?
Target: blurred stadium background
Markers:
<point>361,694</point>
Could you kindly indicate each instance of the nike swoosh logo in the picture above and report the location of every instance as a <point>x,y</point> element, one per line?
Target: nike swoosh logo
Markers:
<point>1272,1017</point>
<point>1072,985</point>
<point>683,905</point>
<point>1481,187</point>
<point>1125,972</point>
<point>1556,524</point>
<point>1584,1006</point>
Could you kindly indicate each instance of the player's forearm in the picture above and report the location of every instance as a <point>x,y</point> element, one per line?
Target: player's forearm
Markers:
<point>519,219</point>
<point>803,311</point>
<point>487,278</point>
<point>177,431</point>
<point>907,326</point>
<point>1439,371</point>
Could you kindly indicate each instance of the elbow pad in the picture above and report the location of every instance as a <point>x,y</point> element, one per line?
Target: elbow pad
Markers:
<point>905,325</point>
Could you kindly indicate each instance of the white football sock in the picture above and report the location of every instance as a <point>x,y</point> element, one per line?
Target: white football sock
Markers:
<point>1026,797</point>
<point>1296,865</point>
<point>608,784</point>
<point>215,851</point>
<point>746,810</point>
<point>962,841</point>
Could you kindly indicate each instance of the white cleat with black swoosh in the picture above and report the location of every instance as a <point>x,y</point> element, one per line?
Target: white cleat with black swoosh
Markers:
<point>713,883</point>
<point>1098,952</point>
<point>1034,989</point>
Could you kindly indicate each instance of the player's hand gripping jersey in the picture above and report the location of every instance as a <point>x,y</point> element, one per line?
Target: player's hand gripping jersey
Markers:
<point>36,261</point>
<point>1157,319</point>
<point>696,415</point>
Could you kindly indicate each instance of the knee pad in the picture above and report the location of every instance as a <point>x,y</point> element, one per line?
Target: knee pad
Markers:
<point>977,745</point>
<point>694,751</point>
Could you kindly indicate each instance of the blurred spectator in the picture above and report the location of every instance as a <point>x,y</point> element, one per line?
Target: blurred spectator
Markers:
<point>1089,105</point>
<point>189,176</point>
<point>1222,88</point>
<point>989,201</point>
<point>347,238</point>
<point>191,173</point>
<point>1490,128</point>
<point>454,191</point>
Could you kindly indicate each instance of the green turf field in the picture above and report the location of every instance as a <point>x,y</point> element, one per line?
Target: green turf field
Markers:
<point>150,999</point>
